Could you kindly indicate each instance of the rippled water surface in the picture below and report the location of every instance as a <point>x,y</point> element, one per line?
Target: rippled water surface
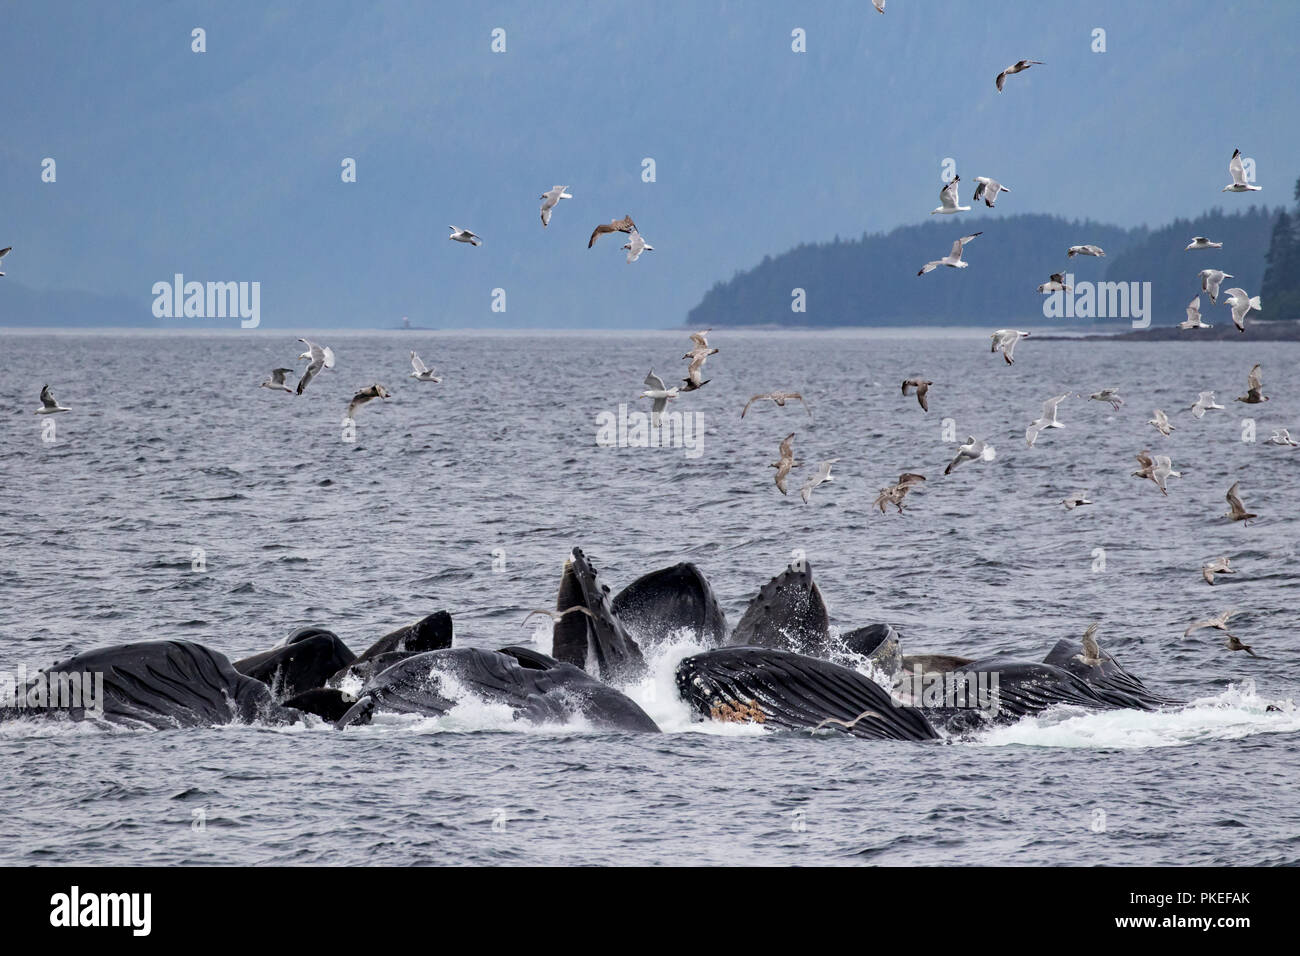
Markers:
<point>171,447</point>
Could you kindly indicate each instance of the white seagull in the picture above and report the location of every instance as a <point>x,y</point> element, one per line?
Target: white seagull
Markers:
<point>659,393</point>
<point>549,200</point>
<point>1164,468</point>
<point>948,201</point>
<point>1046,420</point>
<point>952,259</point>
<point>49,404</point>
<point>418,371</point>
<point>277,380</point>
<point>635,246</point>
<point>1204,402</point>
<point>1238,173</point>
<point>1055,284</point>
<point>1210,280</point>
<point>1200,242</point>
<point>988,190</point>
<point>1282,437</point>
<point>4,252</point>
<point>1004,341</point>
<point>823,474</point>
<point>1108,395</point>
<point>318,358</point>
<point>1193,320</point>
<point>464,235</point>
<point>973,450</point>
<point>1084,251</point>
<point>1241,304</point>
<point>1161,422</point>
<point>1219,565</point>
<point>1076,500</point>
<point>1016,67</point>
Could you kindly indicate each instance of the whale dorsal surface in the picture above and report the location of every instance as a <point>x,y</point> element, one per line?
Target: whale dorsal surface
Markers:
<point>788,614</point>
<point>430,684</point>
<point>433,632</point>
<point>670,600</point>
<point>1108,677</point>
<point>597,642</point>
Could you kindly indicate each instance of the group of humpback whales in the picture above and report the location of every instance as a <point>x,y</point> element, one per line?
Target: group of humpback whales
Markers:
<point>781,666</point>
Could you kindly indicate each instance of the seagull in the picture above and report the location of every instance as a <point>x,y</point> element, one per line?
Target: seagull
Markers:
<point>1238,173</point>
<point>952,259</point>
<point>1091,649</point>
<point>1076,500</point>
<point>659,393</point>
<point>1161,422</point>
<point>1016,67</point>
<point>277,380</point>
<point>617,225</point>
<point>1281,437</point>
<point>635,246</point>
<point>922,388</point>
<point>895,493</point>
<point>879,5</point>
<point>1046,420</point>
<point>948,201</point>
<point>318,358</point>
<point>823,474</point>
<point>1236,510</point>
<point>1204,402</point>
<point>988,190</point>
<point>1234,644</point>
<point>4,252</point>
<point>464,235</point>
<point>1004,341</point>
<point>1254,388</point>
<point>1219,621</point>
<point>1193,320</point>
<point>49,404</point>
<point>1164,469</point>
<point>692,381</point>
<point>780,398</point>
<point>549,200</point>
<point>785,462</point>
<point>1146,465</point>
<point>557,616</point>
<point>1210,279</point>
<point>1241,304</point>
<point>363,396</point>
<point>1108,395</point>
<point>1056,284</point>
<point>1218,566</point>
<point>973,450</point>
<point>418,371</point>
<point>1200,242</point>
<point>702,349</point>
<point>850,724</point>
<point>1084,251</point>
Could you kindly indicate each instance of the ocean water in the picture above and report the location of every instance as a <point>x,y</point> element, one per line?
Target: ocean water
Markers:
<point>468,496</point>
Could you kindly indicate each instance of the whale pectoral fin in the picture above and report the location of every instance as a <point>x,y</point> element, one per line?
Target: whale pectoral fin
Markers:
<point>358,715</point>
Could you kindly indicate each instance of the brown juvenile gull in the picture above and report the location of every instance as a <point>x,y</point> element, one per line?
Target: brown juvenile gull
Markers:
<point>317,359</point>
<point>1088,250</point>
<point>419,372</point>
<point>49,404</point>
<point>1234,644</point>
<point>953,259</point>
<point>1004,341</point>
<point>1218,566</point>
<point>277,380</point>
<point>4,252</point>
<point>1017,67</point>
<point>988,190</point>
<point>1076,500</point>
<point>823,474</point>
<point>549,200</point>
<point>1238,173</point>
<point>702,349</point>
<point>1200,242</point>
<point>1219,620</point>
<point>1146,465</point>
<point>1161,423</point>
<point>780,398</point>
<point>1211,279</point>
<point>1236,510</point>
<point>692,381</point>
<point>1241,304</point>
<point>557,616</point>
<point>949,203</point>
<point>367,394</point>
<point>785,462</point>
<point>1193,320</point>
<point>1055,284</point>
<point>895,493</point>
<point>1254,388</point>
<point>1204,402</point>
<point>922,387</point>
<point>1108,395</point>
<point>617,225</point>
<point>659,394</point>
<point>973,450</point>
<point>464,235</point>
<point>1091,649</point>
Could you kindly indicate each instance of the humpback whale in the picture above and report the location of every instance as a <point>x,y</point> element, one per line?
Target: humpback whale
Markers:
<point>165,685</point>
<point>788,613</point>
<point>793,691</point>
<point>433,632</point>
<point>305,661</point>
<point>673,599</point>
<point>539,689</point>
<point>597,642</point>
<point>1108,677</point>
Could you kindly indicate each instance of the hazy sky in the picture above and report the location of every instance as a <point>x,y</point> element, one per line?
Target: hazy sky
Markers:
<point>225,165</point>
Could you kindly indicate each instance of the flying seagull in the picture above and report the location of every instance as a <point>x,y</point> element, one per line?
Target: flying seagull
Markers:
<point>1046,420</point>
<point>635,246</point>
<point>1210,280</point>
<point>1238,174</point>
<point>1084,251</point>
<point>1282,437</point>
<point>549,200</point>
<point>659,394</point>
<point>1219,621</point>
<point>318,358</point>
<point>1236,510</point>
<point>365,395</point>
<point>1241,304</point>
<point>922,388</point>
<point>419,372</point>
<point>1200,242</point>
<point>4,252</point>
<point>780,398</point>
<point>1233,643</point>
<point>277,380</point>
<point>973,450</point>
<point>1108,395</point>
<point>1164,469</point>
<point>895,493</point>
<point>785,462</point>
<point>850,724</point>
<point>823,474</point>
<point>1193,320</point>
<point>1218,566</point>
<point>1076,500</point>
<point>1161,423</point>
<point>988,190</point>
<point>1017,67</point>
<point>1254,388</point>
<point>49,404</point>
<point>617,225</point>
<point>1091,649</point>
<point>879,5</point>
<point>1204,402</point>
<point>557,616</point>
<point>1004,341</point>
<point>464,235</point>
<point>693,379</point>
<point>701,345</point>
<point>949,203</point>
<point>1055,284</point>
<point>952,259</point>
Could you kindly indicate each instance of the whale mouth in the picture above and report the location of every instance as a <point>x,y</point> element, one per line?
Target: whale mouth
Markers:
<point>596,641</point>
